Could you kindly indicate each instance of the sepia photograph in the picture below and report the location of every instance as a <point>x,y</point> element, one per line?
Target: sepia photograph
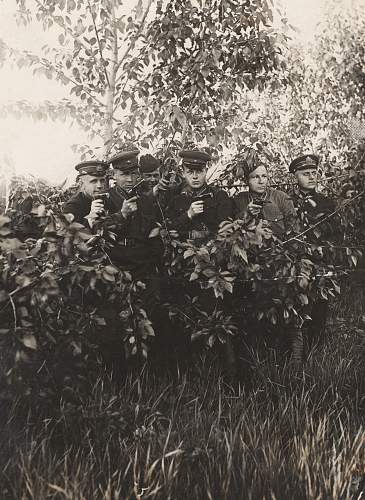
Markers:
<point>182,249</point>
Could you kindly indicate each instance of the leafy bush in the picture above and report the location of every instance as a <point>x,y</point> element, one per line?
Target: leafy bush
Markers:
<point>63,302</point>
<point>60,299</point>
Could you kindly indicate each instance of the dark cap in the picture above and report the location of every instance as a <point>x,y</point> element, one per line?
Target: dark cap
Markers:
<point>148,164</point>
<point>126,161</point>
<point>303,163</point>
<point>93,167</point>
<point>195,159</point>
<point>248,163</point>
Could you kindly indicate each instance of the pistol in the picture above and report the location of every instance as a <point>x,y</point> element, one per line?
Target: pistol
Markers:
<point>202,197</point>
<point>138,189</point>
<point>102,196</point>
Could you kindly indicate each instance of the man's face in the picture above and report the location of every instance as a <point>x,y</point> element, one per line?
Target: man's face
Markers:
<point>126,180</point>
<point>307,179</point>
<point>258,179</point>
<point>92,185</point>
<point>194,178</point>
<point>152,177</point>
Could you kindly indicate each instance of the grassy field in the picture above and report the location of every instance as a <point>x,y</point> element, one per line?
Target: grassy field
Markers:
<point>285,435</point>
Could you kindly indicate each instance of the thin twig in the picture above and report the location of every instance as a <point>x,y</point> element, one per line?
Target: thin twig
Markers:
<point>56,20</point>
<point>135,37</point>
<point>329,216</point>
<point>99,44</point>
<point>14,310</point>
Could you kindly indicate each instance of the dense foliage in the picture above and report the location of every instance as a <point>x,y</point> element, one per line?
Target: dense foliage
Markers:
<point>60,296</point>
<point>65,305</point>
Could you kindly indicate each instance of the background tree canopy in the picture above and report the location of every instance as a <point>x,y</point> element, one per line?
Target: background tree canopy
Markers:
<point>163,74</point>
<point>224,76</point>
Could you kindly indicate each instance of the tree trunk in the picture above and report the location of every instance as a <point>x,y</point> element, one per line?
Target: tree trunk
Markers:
<point>108,131</point>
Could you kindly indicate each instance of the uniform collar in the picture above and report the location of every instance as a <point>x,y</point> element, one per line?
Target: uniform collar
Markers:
<point>303,194</point>
<point>195,192</point>
<point>262,197</point>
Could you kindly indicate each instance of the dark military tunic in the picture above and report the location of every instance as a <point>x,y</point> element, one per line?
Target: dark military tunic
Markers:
<point>311,208</point>
<point>217,208</point>
<point>133,249</point>
<point>79,206</point>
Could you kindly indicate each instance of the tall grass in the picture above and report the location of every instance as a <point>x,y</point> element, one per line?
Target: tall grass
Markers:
<point>288,435</point>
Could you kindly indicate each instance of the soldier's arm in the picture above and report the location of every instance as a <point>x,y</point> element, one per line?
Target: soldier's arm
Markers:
<point>287,208</point>
<point>179,222</point>
<point>239,208</point>
<point>120,213</point>
<point>164,198</point>
<point>177,219</point>
<point>150,221</point>
<point>225,208</point>
<point>73,207</point>
<point>115,222</point>
<point>331,225</point>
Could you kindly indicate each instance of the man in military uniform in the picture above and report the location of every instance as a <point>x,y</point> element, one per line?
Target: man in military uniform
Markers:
<point>134,249</point>
<point>136,217</point>
<point>312,207</point>
<point>149,168</point>
<point>88,204</point>
<point>195,209</point>
<point>128,213</point>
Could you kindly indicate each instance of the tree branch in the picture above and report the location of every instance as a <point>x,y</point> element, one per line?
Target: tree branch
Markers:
<point>62,25</point>
<point>34,59</point>
<point>14,311</point>
<point>56,20</point>
<point>109,112</point>
<point>99,45</point>
<point>59,72</point>
<point>135,37</point>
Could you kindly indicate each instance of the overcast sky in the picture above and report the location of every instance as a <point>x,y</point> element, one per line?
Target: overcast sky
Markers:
<point>44,148</point>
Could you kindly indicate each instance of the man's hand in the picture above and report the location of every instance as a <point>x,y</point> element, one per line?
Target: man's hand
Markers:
<point>129,207</point>
<point>196,208</point>
<point>254,209</point>
<point>96,209</point>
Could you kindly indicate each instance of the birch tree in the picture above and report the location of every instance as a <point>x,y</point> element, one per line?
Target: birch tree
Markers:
<point>161,75</point>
